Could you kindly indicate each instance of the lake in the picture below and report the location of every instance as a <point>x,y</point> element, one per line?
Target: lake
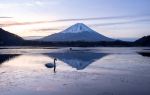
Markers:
<point>79,71</point>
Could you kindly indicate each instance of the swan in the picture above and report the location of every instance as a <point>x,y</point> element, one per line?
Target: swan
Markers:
<point>50,65</point>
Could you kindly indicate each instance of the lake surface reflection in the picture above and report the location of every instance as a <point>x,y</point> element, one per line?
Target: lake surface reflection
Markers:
<point>82,71</point>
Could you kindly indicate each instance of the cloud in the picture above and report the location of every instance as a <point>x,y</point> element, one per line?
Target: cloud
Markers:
<point>27,3</point>
<point>5,17</point>
<point>20,23</point>
<point>94,25</point>
<point>11,5</point>
<point>133,18</point>
<point>35,3</point>
<point>120,23</point>
<point>100,18</point>
<point>47,29</point>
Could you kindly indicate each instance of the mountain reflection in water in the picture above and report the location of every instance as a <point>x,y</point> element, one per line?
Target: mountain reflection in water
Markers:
<point>6,57</point>
<point>79,60</point>
<point>75,59</point>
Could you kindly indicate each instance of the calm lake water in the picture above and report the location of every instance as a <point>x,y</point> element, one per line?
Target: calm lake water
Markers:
<point>81,71</point>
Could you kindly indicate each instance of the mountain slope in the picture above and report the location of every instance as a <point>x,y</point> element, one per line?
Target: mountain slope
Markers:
<point>7,38</point>
<point>77,32</point>
<point>144,41</point>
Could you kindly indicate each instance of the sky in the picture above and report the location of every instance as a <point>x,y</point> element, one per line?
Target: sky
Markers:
<point>119,19</point>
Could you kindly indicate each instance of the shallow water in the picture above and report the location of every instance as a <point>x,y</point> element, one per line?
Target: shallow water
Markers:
<point>82,71</point>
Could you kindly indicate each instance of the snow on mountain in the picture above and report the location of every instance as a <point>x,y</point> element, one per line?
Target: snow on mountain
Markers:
<point>77,32</point>
<point>77,28</point>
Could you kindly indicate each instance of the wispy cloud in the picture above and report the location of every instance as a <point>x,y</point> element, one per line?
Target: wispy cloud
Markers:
<point>95,25</point>
<point>120,23</point>
<point>28,3</point>
<point>47,29</point>
<point>102,18</point>
<point>133,18</point>
<point>21,23</point>
<point>5,17</point>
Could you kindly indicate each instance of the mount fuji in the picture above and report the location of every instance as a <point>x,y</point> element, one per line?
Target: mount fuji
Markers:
<point>77,32</point>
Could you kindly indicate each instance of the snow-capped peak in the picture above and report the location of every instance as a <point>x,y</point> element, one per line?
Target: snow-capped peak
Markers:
<point>79,27</point>
<point>77,32</point>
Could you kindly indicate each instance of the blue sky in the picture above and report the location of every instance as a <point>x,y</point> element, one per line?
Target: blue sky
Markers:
<point>113,18</point>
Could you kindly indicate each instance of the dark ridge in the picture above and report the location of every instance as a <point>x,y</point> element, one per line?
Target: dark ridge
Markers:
<point>147,54</point>
<point>144,41</point>
<point>7,38</point>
